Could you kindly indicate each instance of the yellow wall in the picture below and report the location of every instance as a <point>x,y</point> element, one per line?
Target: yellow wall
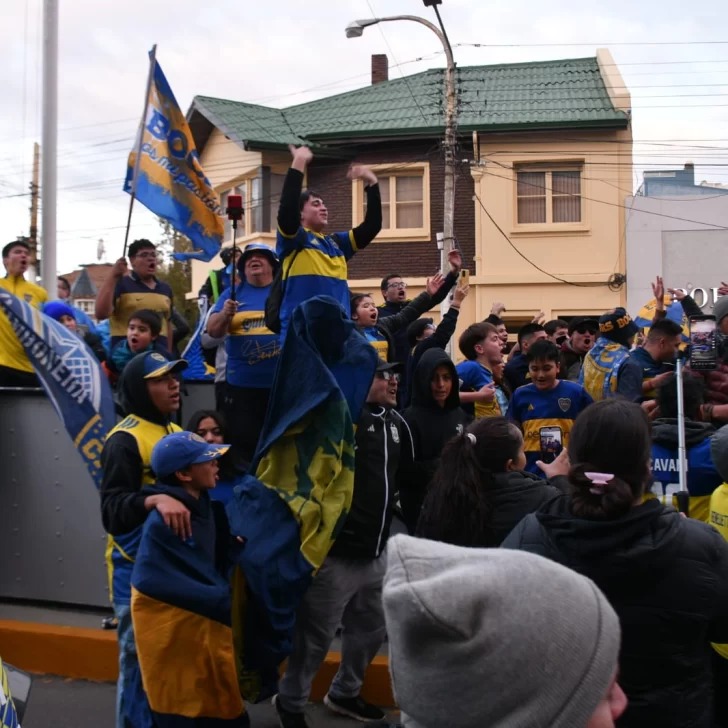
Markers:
<point>585,253</point>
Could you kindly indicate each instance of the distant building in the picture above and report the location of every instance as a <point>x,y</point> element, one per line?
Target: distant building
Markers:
<point>677,183</point>
<point>85,284</point>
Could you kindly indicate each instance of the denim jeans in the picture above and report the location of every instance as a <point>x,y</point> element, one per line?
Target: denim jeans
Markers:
<point>127,657</point>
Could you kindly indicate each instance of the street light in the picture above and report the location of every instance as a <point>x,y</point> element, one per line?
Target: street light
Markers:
<point>355,30</point>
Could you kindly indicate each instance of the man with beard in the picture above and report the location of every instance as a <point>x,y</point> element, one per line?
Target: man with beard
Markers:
<point>124,293</point>
<point>582,335</point>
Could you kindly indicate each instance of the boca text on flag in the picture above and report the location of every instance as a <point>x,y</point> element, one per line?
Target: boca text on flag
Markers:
<point>170,181</point>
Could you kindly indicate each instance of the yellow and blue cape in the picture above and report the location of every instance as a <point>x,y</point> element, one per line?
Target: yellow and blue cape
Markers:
<point>291,506</point>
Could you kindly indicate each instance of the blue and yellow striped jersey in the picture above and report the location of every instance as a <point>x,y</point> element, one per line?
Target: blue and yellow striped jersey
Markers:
<point>473,377</point>
<point>252,348</point>
<point>319,269</point>
<point>553,412</point>
<point>132,295</point>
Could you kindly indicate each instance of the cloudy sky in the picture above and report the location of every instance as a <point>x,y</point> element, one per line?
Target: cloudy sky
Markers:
<point>281,52</point>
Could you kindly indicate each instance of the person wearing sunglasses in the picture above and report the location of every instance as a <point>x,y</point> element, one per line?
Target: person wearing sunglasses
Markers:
<point>582,335</point>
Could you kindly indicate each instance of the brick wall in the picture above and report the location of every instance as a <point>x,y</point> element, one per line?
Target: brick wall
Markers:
<point>328,178</point>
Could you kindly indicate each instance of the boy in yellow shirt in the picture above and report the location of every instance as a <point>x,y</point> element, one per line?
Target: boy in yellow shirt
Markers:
<point>15,368</point>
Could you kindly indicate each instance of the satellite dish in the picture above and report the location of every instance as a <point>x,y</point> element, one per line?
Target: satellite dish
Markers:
<point>100,250</point>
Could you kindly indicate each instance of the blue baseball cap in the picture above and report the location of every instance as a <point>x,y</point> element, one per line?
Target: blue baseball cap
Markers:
<point>157,365</point>
<point>180,450</point>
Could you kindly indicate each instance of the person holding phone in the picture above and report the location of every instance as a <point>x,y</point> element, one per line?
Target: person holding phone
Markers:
<point>546,408</point>
<point>481,346</point>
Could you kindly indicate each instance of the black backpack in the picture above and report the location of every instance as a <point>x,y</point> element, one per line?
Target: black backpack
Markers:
<point>275,297</point>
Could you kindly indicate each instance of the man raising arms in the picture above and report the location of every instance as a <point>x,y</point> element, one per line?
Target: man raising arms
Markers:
<point>313,263</point>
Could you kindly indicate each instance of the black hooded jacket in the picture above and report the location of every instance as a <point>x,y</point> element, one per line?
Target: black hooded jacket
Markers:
<point>667,579</point>
<point>431,427</point>
<point>122,503</point>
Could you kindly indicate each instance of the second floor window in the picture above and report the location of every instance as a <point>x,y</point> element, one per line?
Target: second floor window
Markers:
<point>552,196</point>
<point>261,195</point>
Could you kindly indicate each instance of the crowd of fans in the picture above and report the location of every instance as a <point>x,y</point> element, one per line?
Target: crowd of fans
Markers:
<point>565,447</point>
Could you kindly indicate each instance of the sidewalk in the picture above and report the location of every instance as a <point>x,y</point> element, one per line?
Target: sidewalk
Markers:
<point>81,704</point>
<point>49,640</point>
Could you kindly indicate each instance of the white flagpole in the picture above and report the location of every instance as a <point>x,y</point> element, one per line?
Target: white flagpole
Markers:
<point>138,159</point>
<point>49,145</point>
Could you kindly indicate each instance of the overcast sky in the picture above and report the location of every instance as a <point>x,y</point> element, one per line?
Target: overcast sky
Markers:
<point>281,52</point>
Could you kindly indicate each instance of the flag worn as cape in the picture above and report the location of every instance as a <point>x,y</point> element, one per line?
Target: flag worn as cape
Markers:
<point>291,510</point>
<point>71,376</point>
<point>181,608</point>
<point>171,182</point>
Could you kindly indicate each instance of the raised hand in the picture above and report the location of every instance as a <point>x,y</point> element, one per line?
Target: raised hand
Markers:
<point>679,294</point>
<point>539,318</point>
<point>459,296</point>
<point>455,260</point>
<point>658,290</point>
<point>723,290</point>
<point>360,171</point>
<point>120,268</point>
<point>497,308</point>
<point>301,157</point>
<point>434,284</point>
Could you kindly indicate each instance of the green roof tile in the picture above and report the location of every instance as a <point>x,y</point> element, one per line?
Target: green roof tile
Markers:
<point>564,93</point>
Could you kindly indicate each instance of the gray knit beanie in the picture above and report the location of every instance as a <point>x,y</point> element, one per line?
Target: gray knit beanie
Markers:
<point>720,308</point>
<point>719,452</point>
<point>494,637</point>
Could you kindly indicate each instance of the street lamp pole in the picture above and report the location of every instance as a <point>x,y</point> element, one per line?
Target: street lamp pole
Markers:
<point>354,30</point>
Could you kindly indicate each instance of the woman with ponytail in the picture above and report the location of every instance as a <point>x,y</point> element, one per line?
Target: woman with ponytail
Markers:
<point>480,490</point>
<point>665,575</point>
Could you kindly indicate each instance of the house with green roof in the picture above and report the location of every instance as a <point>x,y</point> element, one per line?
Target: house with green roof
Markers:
<point>543,166</point>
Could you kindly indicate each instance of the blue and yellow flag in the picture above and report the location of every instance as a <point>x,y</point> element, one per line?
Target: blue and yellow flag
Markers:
<point>291,510</point>
<point>674,312</point>
<point>181,608</point>
<point>8,714</point>
<point>171,182</point>
<point>70,375</point>
<point>198,369</point>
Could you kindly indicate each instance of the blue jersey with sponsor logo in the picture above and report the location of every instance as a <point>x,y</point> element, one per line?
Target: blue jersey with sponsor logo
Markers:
<point>546,417</point>
<point>318,269</point>
<point>252,348</point>
<point>702,477</point>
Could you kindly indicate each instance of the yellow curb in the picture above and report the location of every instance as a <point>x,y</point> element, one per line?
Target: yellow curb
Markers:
<point>90,654</point>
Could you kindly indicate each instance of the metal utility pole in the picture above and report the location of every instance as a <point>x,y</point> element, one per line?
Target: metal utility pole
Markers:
<point>50,144</point>
<point>33,238</point>
<point>445,241</point>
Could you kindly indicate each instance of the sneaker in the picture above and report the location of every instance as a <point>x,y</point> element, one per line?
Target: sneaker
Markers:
<point>287,719</point>
<point>356,708</point>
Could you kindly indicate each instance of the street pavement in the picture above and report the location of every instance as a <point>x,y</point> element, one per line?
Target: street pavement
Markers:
<point>57,702</point>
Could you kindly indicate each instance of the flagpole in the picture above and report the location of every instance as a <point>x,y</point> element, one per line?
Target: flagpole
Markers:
<point>138,158</point>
